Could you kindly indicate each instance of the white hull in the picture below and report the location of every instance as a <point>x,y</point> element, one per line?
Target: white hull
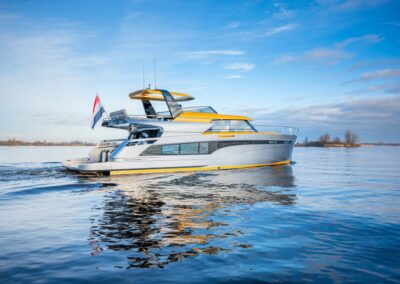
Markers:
<point>130,161</point>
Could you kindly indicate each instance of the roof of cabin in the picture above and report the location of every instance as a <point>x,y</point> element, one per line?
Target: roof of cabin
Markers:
<point>188,116</point>
<point>156,95</point>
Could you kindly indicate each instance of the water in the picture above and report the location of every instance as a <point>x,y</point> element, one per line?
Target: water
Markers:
<point>331,217</point>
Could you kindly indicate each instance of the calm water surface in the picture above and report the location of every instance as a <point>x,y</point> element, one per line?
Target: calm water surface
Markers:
<point>331,217</point>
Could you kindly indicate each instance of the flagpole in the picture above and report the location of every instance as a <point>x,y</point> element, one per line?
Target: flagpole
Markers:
<point>106,113</point>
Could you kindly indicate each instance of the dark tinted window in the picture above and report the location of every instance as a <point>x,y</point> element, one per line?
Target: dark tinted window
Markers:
<point>203,149</point>
<point>189,149</point>
<point>185,149</point>
<point>170,149</point>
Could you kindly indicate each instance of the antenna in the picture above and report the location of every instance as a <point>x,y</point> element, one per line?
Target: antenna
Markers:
<point>155,74</point>
<point>143,76</point>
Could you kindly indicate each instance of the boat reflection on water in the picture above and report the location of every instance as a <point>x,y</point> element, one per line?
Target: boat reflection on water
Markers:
<point>158,219</point>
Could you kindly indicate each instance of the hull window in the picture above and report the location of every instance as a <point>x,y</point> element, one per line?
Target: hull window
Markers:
<point>181,149</point>
<point>203,148</point>
<point>170,149</point>
<point>189,149</point>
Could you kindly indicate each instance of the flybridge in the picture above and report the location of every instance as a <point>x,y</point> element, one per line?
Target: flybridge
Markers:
<point>120,118</point>
<point>204,114</point>
<point>171,98</point>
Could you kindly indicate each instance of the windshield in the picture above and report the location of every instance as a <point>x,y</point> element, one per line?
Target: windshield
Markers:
<point>231,125</point>
<point>202,109</point>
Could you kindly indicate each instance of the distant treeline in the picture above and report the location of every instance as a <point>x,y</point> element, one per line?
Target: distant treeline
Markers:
<point>380,144</point>
<point>350,139</point>
<point>15,142</point>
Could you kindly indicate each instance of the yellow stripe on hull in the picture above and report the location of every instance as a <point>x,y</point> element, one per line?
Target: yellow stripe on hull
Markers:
<point>193,169</point>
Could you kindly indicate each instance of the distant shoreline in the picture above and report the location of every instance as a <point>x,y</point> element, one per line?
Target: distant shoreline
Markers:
<point>350,140</point>
<point>14,142</point>
<point>348,146</point>
<point>330,145</point>
<point>49,145</point>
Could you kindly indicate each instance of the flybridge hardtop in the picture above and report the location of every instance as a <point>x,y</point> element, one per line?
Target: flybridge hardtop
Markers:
<point>159,95</point>
<point>120,119</point>
<point>184,139</point>
<point>179,114</point>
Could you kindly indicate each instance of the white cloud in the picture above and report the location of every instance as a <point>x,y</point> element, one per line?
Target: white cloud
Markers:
<point>359,111</point>
<point>371,38</point>
<point>327,54</point>
<point>234,76</point>
<point>386,73</point>
<point>262,32</point>
<point>378,63</point>
<point>389,88</point>
<point>351,5</point>
<point>371,118</point>
<point>283,13</point>
<point>376,75</point>
<point>278,30</point>
<point>396,24</point>
<point>233,25</point>
<point>245,67</point>
<point>209,53</point>
<point>286,58</point>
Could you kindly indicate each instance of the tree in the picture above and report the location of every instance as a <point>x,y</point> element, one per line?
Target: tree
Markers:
<point>337,140</point>
<point>347,137</point>
<point>324,139</point>
<point>353,139</point>
<point>350,138</point>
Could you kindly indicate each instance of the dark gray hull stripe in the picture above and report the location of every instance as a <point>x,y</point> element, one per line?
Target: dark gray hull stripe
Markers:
<point>156,150</point>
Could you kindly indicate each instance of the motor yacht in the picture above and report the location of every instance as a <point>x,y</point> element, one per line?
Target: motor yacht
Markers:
<point>184,139</point>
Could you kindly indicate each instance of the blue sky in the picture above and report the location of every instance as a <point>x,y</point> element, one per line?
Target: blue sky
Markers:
<point>322,66</point>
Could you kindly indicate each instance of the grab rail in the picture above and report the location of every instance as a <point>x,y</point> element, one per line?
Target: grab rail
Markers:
<point>131,140</point>
<point>273,129</point>
<point>289,130</point>
<point>138,117</point>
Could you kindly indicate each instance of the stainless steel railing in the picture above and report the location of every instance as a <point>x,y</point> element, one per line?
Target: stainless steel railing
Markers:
<point>288,130</point>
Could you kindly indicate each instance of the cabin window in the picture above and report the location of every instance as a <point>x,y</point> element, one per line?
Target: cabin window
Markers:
<point>189,149</point>
<point>203,148</point>
<point>207,110</point>
<point>231,125</point>
<point>220,125</point>
<point>240,125</point>
<point>170,149</point>
<point>203,109</point>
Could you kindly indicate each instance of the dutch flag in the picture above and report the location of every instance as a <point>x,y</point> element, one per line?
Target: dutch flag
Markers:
<point>98,111</point>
